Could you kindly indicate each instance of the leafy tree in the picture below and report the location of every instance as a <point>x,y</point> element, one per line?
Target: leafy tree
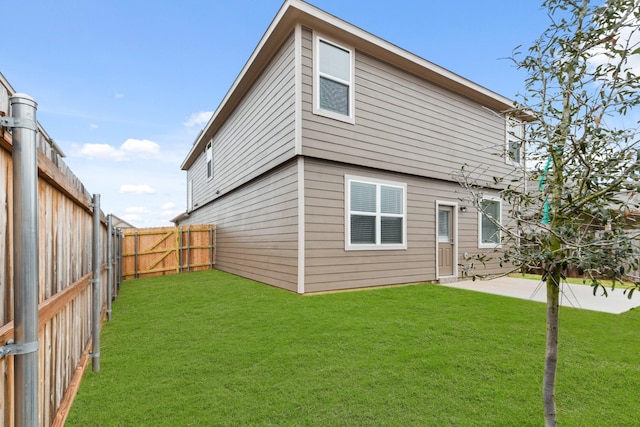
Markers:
<point>578,206</point>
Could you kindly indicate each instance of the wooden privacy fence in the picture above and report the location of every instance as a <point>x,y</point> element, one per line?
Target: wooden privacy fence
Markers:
<point>168,250</point>
<point>65,276</point>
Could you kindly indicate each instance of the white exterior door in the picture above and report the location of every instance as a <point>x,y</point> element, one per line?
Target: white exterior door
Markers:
<point>446,240</point>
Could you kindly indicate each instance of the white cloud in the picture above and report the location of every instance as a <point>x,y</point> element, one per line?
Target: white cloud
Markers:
<point>93,126</point>
<point>170,214</point>
<point>99,151</point>
<point>168,206</point>
<point>142,146</point>
<point>138,148</point>
<point>627,38</point>
<point>198,119</point>
<point>119,95</point>
<point>136,209</point>
<point>137,189</point>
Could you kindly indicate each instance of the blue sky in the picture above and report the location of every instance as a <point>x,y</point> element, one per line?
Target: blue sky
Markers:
<point>124,86</point>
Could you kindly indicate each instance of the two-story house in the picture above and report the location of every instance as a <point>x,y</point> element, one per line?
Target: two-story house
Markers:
<point>331,161</point>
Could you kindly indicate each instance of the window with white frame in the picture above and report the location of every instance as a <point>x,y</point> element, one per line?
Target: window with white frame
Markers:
<point>209,160</point>
<point>444,226</point>
<point>489,223</point>
<point>375,214</point>
<point>514,141</point>
<point>333,80</point>
<point>190,195</point>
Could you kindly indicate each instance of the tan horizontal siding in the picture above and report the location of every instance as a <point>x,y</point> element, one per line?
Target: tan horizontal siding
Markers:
<point>329,266</point>
<point>358,262</point>
<point>257,228</point>
<point>282,278</point>
<point>257,137</point>
<point>415,96</point>
<point>404,124</point>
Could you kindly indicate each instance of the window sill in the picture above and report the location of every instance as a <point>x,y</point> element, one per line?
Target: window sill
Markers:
<point>489,246</point>
<point>335,116</point>
<point>376,248</point>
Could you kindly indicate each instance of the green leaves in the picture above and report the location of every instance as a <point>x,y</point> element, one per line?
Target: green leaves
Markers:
<point>579,87</point>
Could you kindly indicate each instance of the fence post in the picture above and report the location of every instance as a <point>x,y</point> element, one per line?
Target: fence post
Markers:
<point>109,264</point>
<point>176,243</point>
<point>116,262</point>
<point>25,261</point>
<point>189,249</point>
<point>96,296</point>
<point>120,259</point>
<point>179,249</point>
<point>135,255</point>
<point>210,248</point>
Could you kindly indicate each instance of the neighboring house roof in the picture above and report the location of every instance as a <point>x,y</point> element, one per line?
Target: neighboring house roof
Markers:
<point>182,216</point>
<point>118,222</point>
<point>295,12</point>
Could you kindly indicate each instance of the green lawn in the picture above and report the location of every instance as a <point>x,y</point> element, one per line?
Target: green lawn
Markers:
<point>212,349</point>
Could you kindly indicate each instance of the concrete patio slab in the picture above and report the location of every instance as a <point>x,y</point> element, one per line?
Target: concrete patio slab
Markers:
<point>577,296</point>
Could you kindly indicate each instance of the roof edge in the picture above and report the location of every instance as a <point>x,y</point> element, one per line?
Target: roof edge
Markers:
<point>252,59</point>
<point>299,11</point>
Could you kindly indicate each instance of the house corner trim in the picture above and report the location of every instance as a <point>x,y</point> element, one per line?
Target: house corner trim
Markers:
<point>301,228</point>
<point>298,89</point>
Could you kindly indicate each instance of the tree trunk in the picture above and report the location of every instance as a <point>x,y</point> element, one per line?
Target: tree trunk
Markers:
<point>551,354</point>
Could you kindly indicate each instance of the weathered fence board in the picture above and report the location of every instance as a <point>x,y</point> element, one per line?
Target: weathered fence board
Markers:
<point>167,250</point>
<point>6,233</point>
<point>65,270</point>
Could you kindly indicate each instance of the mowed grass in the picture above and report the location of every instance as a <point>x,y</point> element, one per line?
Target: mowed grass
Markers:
<point>213,349</point>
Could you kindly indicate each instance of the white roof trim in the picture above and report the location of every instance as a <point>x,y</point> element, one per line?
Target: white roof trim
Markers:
<point>243,72</point>
<point>364,35</point>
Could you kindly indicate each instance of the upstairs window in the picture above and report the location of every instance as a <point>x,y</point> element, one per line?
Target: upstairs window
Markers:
<point>514,142</point>
<point>333,80</point>
<point>376,214</point>
<point>190,195</point>
<point>209,160</point>
<point>490,222</point>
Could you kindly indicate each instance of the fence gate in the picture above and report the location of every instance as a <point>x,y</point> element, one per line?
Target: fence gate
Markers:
<point>168,250</point>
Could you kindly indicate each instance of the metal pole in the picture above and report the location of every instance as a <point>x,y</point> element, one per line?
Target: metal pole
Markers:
<point>210,248</point>
<point>180,248</point>
<point>116,262</point>
<point>25,261</point>
<point>189,249</point>
<point>96,297</point>
<point>109,264</point>
<point>120,260</point>
<point>116,257</point>
<point>135,258</point>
